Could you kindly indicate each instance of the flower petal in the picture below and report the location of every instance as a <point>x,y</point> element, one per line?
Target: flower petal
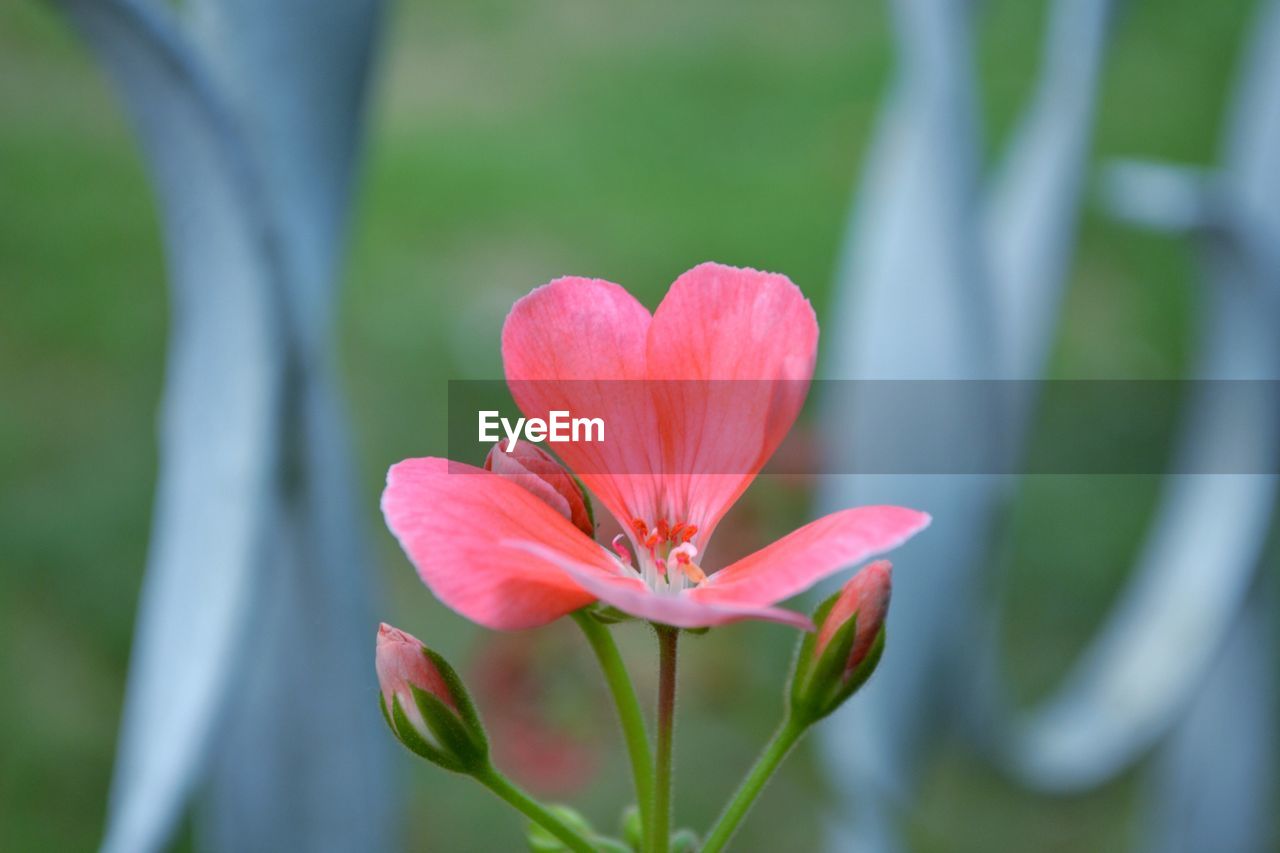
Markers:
<point>741,346</point>
<point>821,548</point>
<point>630,595</point>
<point>448,516</point>
<point>578,345</point>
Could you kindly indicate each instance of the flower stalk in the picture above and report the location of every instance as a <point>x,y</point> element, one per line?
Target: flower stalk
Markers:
<point>532,809</point>
<point>778,748</point>
<point>660,836</point>
<point>628,706</point>
<point>830,666</point>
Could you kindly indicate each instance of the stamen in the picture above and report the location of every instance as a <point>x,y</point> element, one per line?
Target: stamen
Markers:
<point>684,552</point>
<point>623,554</point>
<point>693,572</point>
<point>684,555</point>
<point>656,548</point>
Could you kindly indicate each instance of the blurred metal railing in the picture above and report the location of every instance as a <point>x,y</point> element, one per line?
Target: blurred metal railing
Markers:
<point>946,278</point>
<point>250,679</point>
<point>249,114</point>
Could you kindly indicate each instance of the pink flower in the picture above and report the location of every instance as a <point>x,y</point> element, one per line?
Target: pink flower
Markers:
<point>867,595</point>
<point>695,398</point>
<point>401,661</point>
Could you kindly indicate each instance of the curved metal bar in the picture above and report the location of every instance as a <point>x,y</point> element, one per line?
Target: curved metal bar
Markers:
<point>1189,583</point>
<point>1206,543</point>
<point>1003,257</point>
<point>220,421</point>
<point>296,73</point>
<point>1215,776</point>
<point>1033,205</point>
<point>911,274</point>
<point>257,590</point>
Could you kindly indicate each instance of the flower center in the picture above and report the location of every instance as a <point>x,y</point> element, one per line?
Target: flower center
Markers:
<point>664,554</point>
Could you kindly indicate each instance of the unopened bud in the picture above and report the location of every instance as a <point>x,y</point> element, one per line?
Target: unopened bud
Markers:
<point>536,470</point>
<point>426,705</point>
<point>837,660</point>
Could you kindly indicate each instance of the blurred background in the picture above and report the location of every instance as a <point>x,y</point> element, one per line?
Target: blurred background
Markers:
<point>509,143</point>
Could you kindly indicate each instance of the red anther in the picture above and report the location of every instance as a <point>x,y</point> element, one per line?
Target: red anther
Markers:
<point>681,557</point>
<point>675,531</point>
<point>639,527</point>
<point>689,532</point>
<point>664,532</point>
<point>653,541</point>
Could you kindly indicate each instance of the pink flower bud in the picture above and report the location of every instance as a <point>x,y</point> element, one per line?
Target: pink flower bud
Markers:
<point>867,595</point>
<point>402,661</point>
<point>426,705</point>
<point>536,470</point>
<point>834,663</point>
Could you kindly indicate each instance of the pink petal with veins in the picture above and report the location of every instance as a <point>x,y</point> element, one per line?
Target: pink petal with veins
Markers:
<point>449,518</point>
<point>821,548</point>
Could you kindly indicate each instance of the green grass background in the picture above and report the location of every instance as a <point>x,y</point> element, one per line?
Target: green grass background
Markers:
<point>509,143</point>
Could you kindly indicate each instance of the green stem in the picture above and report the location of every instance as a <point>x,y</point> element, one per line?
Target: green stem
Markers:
<point>660,837</point>
<point>531,808</point>
<point>629,714</point>
<point>776,750</point>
